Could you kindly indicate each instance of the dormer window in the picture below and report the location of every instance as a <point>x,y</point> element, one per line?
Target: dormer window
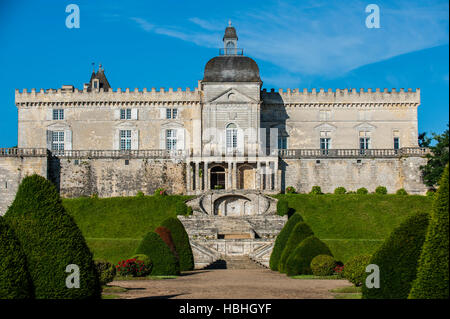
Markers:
<point>171,114</point>
<point>58,114</point>
<point>125,114</point>
<point>95,84</point>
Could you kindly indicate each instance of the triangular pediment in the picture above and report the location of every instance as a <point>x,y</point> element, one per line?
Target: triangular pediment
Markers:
<point>325,127</point>
<point>232,96</point>
<point>365,127</point>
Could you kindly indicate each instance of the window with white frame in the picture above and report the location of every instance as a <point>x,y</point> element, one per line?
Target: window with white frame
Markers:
<point>396,140</point>
<point>58,141</point>
<point>58,114</point>
<point>171,113</point>
<point>364,140</point>
<point>125,114</point>
<point>171,139</point>
<point>125,140</point>
<point>325,140</point>
<point>231,136</point>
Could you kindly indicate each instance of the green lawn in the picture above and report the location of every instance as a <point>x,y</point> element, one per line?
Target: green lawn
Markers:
<point>350,224</point>
<point>113,227</point>
<point>355,224</point>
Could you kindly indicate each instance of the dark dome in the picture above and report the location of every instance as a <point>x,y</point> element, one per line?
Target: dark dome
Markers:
<point>230,33</point>
<point>231,68</point>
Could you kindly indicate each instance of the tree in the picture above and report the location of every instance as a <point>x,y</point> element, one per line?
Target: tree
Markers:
<point>14,277</point>
<point>51,241</point>
<point>397,259</point>
<point>432,272</point>
<point>437,159</point>
<point>181,241</point>
<point>281,240</point>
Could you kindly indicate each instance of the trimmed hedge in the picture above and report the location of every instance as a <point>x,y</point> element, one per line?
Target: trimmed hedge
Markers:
<point>106,271</point>
<point>362,191</point>
<point>181,241</point>
<point>51,241</point>
<point>355,269</point>
<point>299,262</point>
<point>316,190</point>
<point>397,259</point>
<point>14,277</point>
<point>282,207</point>
<point>281,240</point>
<point>340,190</point>
<point>300,232</point>
<point>401,191</point>
<point>323,265</point>
<point>181,208</point>
<point>164,262</point>
<point>432,274</point>
<point>165,235</point>
<point>381,190</point>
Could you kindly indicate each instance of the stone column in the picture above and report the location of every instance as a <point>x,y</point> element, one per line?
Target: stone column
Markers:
<point>188,176</point>
<point>197,176</point>
<point>229,176</point>
<point>258,175</point>
<point>205,176</point>
<point>275,176</point>
<point>234,176</point>
<point>268,176</point>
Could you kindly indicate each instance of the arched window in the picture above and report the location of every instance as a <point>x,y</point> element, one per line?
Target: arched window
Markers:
<point>231,136</point>
<point>230,48</point>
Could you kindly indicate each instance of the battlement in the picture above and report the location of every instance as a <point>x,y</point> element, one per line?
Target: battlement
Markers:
<point>293,96</point>
<point>70,94</point>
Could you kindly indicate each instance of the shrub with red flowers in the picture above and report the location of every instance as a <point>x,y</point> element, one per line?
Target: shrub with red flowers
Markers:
<point>290,190</point>
<point>133,267</point>
<point>339,270</point>
<point>160,192</point>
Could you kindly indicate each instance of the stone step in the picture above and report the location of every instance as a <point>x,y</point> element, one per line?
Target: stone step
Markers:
<point>241,262</point>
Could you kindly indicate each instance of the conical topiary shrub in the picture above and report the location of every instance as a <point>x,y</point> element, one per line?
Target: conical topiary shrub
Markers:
<point>300,232</point>
<point>14,277</point>
<point>299,262</point>
<point>181,241</point>
<point>166,236</point>
<point>432,274</point>
<point>51,241</point>
<point>397,259</point>
<point>281,240</point>
<point>164,261</point>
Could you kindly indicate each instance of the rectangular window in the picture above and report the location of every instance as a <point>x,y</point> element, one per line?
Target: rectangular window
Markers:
<point>282,142</point>
<point>231,138</point>
<point>325,143</point>
<point>171,139</point>
<point>364,143</point>
<point>58,114</point>
<point>125,140</point>
<point>171,113</point>
<point>396,143</point>
<point>57,141</point>
<point>364,140</point>
<point>125,114</point>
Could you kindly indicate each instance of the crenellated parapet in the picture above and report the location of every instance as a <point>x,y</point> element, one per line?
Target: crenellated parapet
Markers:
<point>342,97</point>
<point>73,96</point>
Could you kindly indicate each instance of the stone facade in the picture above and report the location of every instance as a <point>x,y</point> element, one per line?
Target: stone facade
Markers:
<point>226,136</point>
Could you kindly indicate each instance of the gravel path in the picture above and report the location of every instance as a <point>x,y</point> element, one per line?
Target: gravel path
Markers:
<point>230,283</point>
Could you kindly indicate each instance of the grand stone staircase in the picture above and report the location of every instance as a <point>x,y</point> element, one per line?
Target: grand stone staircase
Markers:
<point>242,239</point>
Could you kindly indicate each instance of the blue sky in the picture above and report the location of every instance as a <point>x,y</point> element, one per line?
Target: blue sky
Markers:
<point>297,44</point>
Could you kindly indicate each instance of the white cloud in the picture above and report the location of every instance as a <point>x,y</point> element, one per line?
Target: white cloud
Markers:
<point>322,37</point>
<point>144,24</point>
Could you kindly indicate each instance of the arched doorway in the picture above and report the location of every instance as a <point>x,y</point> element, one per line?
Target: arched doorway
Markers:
<point>246,177</point>
<point>217,177</point>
